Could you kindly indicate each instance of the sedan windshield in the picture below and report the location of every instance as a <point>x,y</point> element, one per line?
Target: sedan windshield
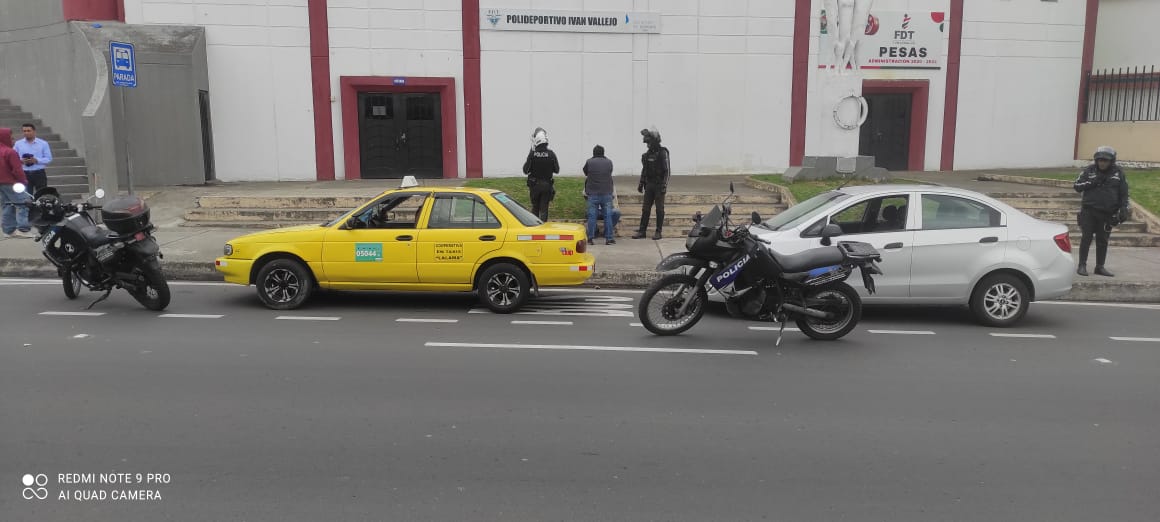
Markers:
<point>802,211</point>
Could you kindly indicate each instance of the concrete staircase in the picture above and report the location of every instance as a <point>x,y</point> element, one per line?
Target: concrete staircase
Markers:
<point>67,173</point>
<point>680,209</point>
<point>1064,208</point>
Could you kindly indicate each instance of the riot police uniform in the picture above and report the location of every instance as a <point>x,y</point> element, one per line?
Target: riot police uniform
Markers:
<point>1105,205</point>
<point>540,167</point>
<point>654,181</point>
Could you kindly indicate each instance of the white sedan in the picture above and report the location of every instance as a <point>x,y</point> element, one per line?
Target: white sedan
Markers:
<point>939,245</point>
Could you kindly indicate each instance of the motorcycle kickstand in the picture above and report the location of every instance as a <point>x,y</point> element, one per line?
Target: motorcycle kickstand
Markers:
<point>102,298</point>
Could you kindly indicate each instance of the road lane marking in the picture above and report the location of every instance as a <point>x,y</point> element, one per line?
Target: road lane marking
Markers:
<point>1101,360</point>
<point>192,316</point>
<point>558,323</point>
<point>636,325</point>
<point>80,314</point>
<point>306,318</point>
<point>1023,336</point>
<point>902,332</point>
<point>420,320</point>
<point>80,336</point>
<point>1137,339</point>
<point>593,348</point>
<point>773,329</point>
<point>1109,305</point>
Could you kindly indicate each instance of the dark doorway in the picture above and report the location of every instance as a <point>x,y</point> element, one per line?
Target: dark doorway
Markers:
<point>400,134</point>
<point>206,135</point>
<point>886,133</point>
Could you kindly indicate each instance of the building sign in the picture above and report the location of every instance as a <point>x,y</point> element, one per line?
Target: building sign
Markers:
<point>503,19</point>
<point>124,64</point>
<point>889,40</point>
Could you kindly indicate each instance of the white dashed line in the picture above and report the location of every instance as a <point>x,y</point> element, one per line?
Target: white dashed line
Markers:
<point>1023,336</point>
<point>638,325</point>
<point>1140,306</point>
<point>192,316</point>
<point>556,323</point>
<point>80,336</point>
<point>1101,360</point>
<point>414,320</point>
<point>772,329</point>
<point>1137,339</point>
<point>902,332</point>
<point>593,348</point>
<point>81,314</point>
<point>306,318</point>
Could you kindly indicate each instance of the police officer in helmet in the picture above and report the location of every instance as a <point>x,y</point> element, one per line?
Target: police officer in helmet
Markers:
<point>1105,205</point>
<point>654,181</point>
<point>540,167</point>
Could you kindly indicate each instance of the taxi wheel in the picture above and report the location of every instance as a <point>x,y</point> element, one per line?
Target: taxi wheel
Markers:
<point>284,284</point>
<point>504,288</point>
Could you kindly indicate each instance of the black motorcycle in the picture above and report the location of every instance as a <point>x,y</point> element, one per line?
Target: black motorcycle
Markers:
<point>757,282</point>
<point>124,255</point>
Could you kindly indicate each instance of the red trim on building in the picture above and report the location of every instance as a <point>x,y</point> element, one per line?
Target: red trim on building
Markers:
<point>351,86</point>
<point>919,109</point>
<point>951,104</point>
<point>320,88</point>
<point>799,93</point>
<point>93,10</point>
<point>472,91</point>
<point>1089,50</point>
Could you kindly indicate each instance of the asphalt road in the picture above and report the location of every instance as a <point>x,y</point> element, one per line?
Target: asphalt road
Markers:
<point>352,409</point>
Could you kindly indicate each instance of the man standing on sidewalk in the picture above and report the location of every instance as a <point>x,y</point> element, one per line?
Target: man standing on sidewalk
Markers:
<point>654,181</point>
<point>36,155</point>
<point>598,187</point>
<point>11,173</point>
<point>1105,205</point>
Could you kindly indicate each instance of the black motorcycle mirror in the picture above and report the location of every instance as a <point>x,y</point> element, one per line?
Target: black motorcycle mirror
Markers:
<point>829,231</point>
<point>755,218</point>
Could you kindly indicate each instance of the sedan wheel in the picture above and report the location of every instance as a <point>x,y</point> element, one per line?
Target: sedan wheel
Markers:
<point>504,288</point>
<point>284,284</point>
<point>1000,300</point>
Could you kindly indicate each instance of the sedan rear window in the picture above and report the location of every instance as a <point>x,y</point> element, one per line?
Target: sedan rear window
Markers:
<point>525,216</point>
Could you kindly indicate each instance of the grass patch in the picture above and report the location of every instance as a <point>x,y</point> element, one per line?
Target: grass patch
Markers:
<point>806,189</point>
<point>1143,185</point>
<point>568,203</point>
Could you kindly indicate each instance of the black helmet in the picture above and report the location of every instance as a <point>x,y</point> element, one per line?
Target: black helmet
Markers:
<point>1105,152</point>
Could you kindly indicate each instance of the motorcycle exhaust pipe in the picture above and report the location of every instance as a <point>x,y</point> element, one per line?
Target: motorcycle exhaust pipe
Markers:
<point>817,314</point>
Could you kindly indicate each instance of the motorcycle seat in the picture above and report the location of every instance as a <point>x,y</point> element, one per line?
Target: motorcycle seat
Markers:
<point>810,259</point>
<point>96,236</point>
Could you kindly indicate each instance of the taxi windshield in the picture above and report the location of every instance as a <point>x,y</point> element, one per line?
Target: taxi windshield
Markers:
<point>525,216</point>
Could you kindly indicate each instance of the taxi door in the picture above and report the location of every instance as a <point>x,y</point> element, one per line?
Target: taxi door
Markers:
<point>380,247</point>
<point>460,230</point>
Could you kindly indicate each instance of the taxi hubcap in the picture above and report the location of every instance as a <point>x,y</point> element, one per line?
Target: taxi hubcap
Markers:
<point>1002,301</point>
<point>503,289</point>
<point>281,285</point>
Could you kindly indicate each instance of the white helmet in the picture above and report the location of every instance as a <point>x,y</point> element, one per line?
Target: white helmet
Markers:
<point>539,137</point>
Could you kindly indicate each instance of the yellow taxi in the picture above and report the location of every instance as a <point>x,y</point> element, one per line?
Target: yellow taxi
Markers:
<point>415,239</point>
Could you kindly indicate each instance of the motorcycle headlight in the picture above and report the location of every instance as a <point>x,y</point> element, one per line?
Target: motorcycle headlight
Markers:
<point>229,250</point>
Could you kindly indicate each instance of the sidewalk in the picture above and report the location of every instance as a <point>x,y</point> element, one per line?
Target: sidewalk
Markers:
<point>189,251</point>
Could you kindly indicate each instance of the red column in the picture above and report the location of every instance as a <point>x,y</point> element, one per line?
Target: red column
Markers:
<point>472,91</point>
<point>320,86</point>
<point>799,93</point>
<point>1089,49</point>
<point>951,104</point>
<point>93,10</point>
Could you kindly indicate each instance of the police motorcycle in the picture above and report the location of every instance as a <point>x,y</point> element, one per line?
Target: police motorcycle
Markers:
<point>758,283</point>
<point>124,255</point>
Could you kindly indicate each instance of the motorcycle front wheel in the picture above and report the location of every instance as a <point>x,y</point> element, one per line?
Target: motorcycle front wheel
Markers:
<point>661,303</point>
<point>154,292</point>
<point>71,283</point>
<point>839,299</point>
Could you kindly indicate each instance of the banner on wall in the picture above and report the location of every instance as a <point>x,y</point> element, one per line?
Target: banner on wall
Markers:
<point>503,19</point>
<point>890,40</point>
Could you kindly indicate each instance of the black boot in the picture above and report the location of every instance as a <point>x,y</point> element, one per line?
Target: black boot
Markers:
<point>657,235</point>
<point>1100,270</point>
<point>639,234</point>
<point>1082,270</point>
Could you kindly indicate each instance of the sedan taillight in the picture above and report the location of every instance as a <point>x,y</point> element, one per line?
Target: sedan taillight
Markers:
<point>1063,241</point>
<point>581,246</point>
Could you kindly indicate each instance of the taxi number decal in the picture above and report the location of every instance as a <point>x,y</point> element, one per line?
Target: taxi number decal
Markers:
<point>448,251</point>
<point>368,252</point>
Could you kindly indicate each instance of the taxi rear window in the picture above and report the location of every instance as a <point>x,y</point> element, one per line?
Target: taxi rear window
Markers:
<point>525,216</point>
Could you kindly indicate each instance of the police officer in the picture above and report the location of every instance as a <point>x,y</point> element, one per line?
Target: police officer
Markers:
<point>540,166</point>
<point>1105,205</point>
<point>654,181</point>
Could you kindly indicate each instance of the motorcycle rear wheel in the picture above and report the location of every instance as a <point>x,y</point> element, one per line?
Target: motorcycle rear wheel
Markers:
<point>663,299</point>
<point>155,294</point>
<point>71,283</point>
<point>847,308</point>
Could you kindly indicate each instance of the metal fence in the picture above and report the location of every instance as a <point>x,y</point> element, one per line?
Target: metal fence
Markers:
<point>1123,94</point>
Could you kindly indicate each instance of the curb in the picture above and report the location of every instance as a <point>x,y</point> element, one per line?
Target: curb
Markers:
<point>786,196</point>
<point>174,270</point>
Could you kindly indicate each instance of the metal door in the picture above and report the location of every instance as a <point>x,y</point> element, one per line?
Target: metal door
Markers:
<point>400,134</point>
<point>886,133</point>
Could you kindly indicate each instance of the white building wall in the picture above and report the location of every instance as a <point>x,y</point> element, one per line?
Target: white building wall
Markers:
<point>1126,34</point>
<point>258,53</point>
<point>1019,86</point>
<point>395,38</point>
<point>715,83</point>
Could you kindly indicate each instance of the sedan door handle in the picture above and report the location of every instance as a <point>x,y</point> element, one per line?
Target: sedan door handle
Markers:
<point>892,246</point>
<point>989,239</point>
<point>403,238</point>
<point>487,238</point>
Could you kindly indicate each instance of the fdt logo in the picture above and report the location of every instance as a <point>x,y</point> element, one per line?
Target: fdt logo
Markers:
<point>904,34</point>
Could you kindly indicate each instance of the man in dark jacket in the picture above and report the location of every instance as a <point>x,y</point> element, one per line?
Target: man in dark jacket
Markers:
<point>1105,205</point>
<point>13,220</point>
<point>654,181</point>
<point>540,166</point>
<point>598,188</point>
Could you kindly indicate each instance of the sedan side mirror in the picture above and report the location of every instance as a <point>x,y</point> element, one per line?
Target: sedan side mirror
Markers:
<point>829,231</point>
<point>755,218</point>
